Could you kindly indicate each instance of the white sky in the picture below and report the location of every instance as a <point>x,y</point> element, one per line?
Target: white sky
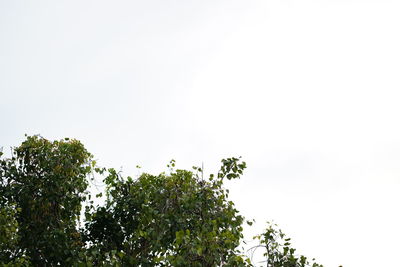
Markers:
<point>305,91</point>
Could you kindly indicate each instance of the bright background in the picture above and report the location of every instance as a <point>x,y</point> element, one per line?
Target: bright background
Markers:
<point>307,92</point>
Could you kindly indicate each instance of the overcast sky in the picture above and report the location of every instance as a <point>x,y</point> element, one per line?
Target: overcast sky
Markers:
<point>307,92</point>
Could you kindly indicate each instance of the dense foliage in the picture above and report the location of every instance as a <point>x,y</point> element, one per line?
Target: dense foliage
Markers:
<point>175,219</point>
<point>44,183</point>
<point>171,219</point>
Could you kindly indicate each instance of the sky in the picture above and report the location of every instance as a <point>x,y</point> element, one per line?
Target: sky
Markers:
<point>305,91</point>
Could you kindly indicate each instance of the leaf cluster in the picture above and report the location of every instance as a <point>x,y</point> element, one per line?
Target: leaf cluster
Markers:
<point>278,250</point>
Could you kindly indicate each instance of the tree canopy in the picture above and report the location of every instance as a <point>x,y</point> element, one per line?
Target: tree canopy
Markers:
<point>176,218</point>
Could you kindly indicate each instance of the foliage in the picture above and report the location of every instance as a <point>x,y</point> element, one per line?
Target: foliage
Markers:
<point>175,219</point>
<point>278,251</point>
<point>171,219</point>
<point>9,238</point>
<point>47,183</point>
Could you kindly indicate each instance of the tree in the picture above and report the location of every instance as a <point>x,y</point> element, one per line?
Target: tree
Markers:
<point>175,219</point>
<point>46,183</point>
<point>171,219</point>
